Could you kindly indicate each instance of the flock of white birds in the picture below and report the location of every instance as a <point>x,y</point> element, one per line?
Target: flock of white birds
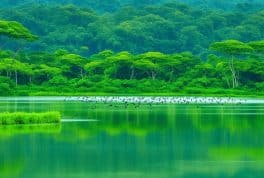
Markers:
<point>157,100</point>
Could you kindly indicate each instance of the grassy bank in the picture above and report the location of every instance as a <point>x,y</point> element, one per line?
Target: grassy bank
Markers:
<point>19,118</point>
<point>119,91</point>
<point>205,94</point>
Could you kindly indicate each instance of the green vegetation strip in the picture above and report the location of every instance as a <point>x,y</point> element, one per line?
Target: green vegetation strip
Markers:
<point>18,118</point>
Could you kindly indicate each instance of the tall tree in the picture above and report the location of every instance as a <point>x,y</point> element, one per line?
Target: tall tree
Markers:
<point>232,48</point>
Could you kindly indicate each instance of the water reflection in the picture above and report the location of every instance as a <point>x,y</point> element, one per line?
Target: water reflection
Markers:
<point>162,141</point>
<point>14,130</point>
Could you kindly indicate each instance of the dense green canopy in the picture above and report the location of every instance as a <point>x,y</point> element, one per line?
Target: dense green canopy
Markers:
<point>231,47</point>
<point>150,47</point>
<point>166,27</point>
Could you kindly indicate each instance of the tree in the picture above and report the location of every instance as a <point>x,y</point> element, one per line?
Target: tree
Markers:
<point>13,66</point>
<point>123,64</point>
<point>15,30</point>
<point>74,61</point>
<point>155,57</point>
<point>147,66</point>
<point>102,55</point>
<point>95,67</point>
<point>232,48</point>
<point>18,31</point>
<point>177,64</point>
<point>49,71</point>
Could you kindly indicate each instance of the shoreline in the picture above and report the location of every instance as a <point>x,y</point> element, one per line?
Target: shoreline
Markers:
<point>140,99</point>
<point>44,94</point>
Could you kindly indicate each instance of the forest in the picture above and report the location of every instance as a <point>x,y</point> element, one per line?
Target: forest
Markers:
<point>122,47</point>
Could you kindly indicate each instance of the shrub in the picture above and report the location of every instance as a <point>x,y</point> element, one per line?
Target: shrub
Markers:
<point>6,84</point>
<point>4,89</point>
<point>58,81</point>
<point>260,86</point>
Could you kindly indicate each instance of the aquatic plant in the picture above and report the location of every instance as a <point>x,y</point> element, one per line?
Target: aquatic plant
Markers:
<point>29,118</point>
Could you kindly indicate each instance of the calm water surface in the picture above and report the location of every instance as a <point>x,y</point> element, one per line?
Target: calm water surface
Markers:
<point>162,141</point>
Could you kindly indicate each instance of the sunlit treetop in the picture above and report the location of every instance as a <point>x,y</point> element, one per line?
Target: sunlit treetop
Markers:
<point>231,47</point>
<point>13,64</point>
<point>94,64</point>
<point>45,69</point>
<point>102,55</point>
<point>153,56</point>
<point>145,64</point>
<point>258,46</point>
<point>123,56</point>
<point>73,59</point>
<point>15,30</point>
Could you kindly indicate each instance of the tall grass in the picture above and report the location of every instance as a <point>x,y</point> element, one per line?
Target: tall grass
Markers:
<point>18,118</point>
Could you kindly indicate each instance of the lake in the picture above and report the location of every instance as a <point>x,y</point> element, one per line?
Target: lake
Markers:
<point>148,141</point>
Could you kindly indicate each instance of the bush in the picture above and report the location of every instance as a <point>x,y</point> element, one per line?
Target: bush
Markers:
<point>6,86</point>
<point>96,78</point>
<point>4,89</point>
<point>58,81</point>
<point>192,90</point>
<point>260,86</point>
<point>83,83</point>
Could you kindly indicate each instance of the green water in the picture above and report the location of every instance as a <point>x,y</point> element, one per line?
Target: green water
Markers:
<point>162,141</point>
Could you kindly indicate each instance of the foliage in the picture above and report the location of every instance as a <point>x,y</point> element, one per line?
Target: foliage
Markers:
<point>138,28</point>
<point>231,47</point>
<point>15,30</point>
<point>143,48</point>
<point>18,118</point>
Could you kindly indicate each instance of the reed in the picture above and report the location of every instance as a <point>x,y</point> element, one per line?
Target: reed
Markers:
<point>20,118</point>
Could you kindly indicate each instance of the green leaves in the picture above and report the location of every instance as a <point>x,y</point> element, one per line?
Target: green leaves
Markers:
<point>168,28</point>
<point>231,47</point>
<point>10,64</point>
<point>15,30</point>
<point>48,70</point>
<point>155,57</point>
<point>144,64</point>
<point>123,57</point>
<point>258,46</point>
<point>72,59</point>
<point>94,67</point>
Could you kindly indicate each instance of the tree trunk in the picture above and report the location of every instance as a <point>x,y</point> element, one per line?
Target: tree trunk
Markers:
<point>153,75</point>
<point>171,75</point>
<point>237,78</point>
<point>132,74</point>
<point>233,81</point>
<point>227,81</point>
<point>81,72</point>
<point>16,78</point>
<point>234,75</point>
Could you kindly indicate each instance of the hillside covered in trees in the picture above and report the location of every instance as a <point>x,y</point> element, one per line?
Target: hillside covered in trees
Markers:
<point>151,47</point>
<point>113,5</point>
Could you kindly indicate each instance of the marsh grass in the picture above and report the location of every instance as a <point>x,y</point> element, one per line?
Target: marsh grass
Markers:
<point>21,118</point>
